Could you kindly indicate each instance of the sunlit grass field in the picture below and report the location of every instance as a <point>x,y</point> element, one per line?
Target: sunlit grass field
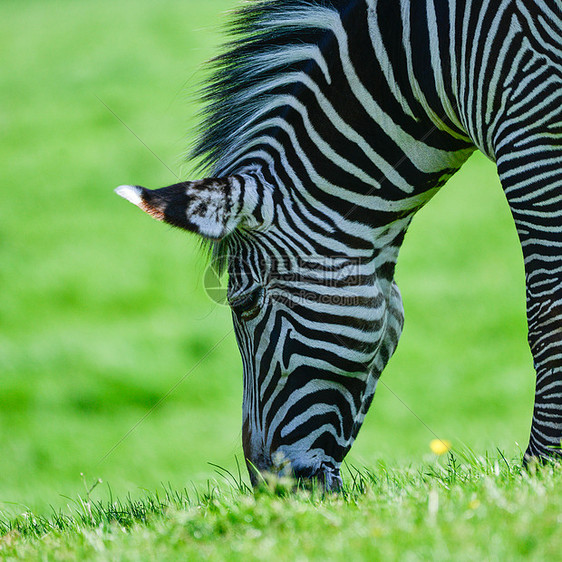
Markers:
<point>484,509</point>
<point>113,361</point>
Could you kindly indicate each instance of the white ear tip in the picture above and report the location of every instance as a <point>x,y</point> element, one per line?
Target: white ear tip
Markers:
<point>131,193</point>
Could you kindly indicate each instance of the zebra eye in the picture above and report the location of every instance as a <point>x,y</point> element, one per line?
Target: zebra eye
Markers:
<point>247,306</point>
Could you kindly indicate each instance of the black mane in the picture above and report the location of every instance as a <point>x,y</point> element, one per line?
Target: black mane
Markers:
<point>258,30</point>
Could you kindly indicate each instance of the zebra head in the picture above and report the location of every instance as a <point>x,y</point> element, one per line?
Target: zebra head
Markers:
<point>315,321</point>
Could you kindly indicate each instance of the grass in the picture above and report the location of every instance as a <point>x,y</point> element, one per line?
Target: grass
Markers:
<point>109,363</point>
<point>471,508</point>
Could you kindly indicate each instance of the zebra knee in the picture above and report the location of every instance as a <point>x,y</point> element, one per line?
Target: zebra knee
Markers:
<point>545,332</point>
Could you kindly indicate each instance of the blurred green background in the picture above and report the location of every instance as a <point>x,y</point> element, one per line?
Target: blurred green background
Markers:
<point>102,311</point>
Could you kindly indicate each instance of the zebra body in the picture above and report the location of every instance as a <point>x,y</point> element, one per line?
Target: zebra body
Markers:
<point>329,124</point>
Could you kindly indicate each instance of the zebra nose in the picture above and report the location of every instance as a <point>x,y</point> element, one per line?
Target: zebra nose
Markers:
<point>279,466</point>
<point>262,466</point>
<point>329,478</point>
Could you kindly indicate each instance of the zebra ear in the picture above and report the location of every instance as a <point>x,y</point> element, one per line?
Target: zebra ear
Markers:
<point>212,207</point>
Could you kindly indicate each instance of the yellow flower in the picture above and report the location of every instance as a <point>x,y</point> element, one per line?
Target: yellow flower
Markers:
<point>440,446</point>
<point>474,504</point>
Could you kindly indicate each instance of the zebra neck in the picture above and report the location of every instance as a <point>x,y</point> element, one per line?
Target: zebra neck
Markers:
<point>315,104</point>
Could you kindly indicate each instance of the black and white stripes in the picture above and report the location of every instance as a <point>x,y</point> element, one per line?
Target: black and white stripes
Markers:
<point>345,118</point>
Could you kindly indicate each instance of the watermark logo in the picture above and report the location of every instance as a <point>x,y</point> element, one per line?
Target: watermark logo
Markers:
<point>215,282</point>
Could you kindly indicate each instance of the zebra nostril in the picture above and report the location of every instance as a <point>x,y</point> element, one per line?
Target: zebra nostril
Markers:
<point>332,480</point>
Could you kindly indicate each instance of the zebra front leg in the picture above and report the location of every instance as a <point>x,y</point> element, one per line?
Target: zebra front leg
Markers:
<point>542,251</point>
<point>531,174</point>
<point>544,313</point>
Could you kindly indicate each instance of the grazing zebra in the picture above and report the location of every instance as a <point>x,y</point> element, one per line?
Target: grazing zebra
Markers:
<point>329,124</point>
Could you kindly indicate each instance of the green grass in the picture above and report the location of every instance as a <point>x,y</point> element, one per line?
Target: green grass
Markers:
<point>102,311</point>
<point>470,509</point>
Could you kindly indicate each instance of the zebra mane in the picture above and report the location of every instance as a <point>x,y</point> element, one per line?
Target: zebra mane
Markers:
<point>267,38</point>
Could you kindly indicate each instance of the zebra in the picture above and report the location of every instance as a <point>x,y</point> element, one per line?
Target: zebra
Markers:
<point>328,124</point>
